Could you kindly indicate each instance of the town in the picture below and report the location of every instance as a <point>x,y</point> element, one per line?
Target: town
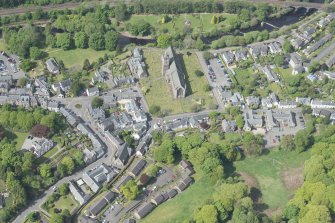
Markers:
<point>131,131</point>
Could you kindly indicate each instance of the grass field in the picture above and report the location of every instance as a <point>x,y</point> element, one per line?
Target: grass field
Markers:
<point>159,90</point>
<point>19,139</point>
<point>178,23</point>
<point>74,59</point>
<point>66,202</point>
<point>2,45</point>
<point>268,171</point>
<point>182,206</point>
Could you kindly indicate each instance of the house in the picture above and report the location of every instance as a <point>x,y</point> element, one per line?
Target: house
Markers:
<point>97,113</point>
<point>241,55</point>
<point>97,207</point>
<point>252,120</point>
<point>329,74</point>
<point>78,194</point>
<point>224,94</point>
<point>53,105</point>
<point>236,99</point>
<point>321,112</point>
<point>89,156</point>
<point>287,104</point>
<point>64,85</point>
<point>116,141</point>
<point>279,120</point>
<point>172,193</point>
<point>93,91</point>
<point>331,61</point>
<point>297,43</point>
<point>99,175</point>
<point>144,210</point>
<point>184,183</point>
<point>184,164</point>
<point>322,104</point>
<point>71,118</point>
<point>84,129</point>
<point>295,60</point>
<point>136,169</point>
<point>269,102</point>
<point>121,182</point>
<point>37,145</point>
<point>228,57</point>
<point>275,47</point>
<point>303,100</point>
<point>228,126</point>
<point>136,64</point>
<point>253,101</point>
<point>52,66</point>
<point>258,50</point>
<point>122,155</point>
<point>99,77</point>
<point>318,44</point>
<point>4,87</point>
<point>158,199</point>
<point>272,76</point>
<point>174,74</point>
<point>7,78</point>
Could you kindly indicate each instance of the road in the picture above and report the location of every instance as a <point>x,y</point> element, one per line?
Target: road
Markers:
<point>325,52</point>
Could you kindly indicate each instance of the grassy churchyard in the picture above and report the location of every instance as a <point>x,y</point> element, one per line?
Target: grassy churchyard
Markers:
<point>276,176</point>
<point>182,206</point>
<point>178,23</point>
<point>157,90</point>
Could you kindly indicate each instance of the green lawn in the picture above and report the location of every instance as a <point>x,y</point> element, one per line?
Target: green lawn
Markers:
<point>159,90</point>
<point>183,205</point>
<point>177,24</point>
<point>2,44</point>
<point>66,202</point>
<point>267,170</point>
<point>19,139</point>
<point>51,152</point>
<point>75,58</point>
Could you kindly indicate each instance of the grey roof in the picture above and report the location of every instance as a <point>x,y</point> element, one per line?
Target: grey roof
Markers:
<point>174,73</point>
<point>138,167</point>
<point>144,209</point>
<point>122,181</point>
<point>172,193</point>
<point>318,44</point>
<point>123,153</point>
<point>98,206</point>
<point>157,200</point>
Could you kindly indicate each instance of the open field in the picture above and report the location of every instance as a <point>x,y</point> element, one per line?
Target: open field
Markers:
<point>158,90</point>
<point>2,45</point>
<point>178,23</point>
<point>74,59</point>
<point>66,202</point>
<point>20,137</point>
<point>182,206</point>
<point>276,174</point>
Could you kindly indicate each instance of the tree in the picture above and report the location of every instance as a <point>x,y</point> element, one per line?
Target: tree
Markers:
<point>207,214</point>
<point>97,41</point>
<point>215,19</point>
<point>316,213</point>
<point>35,53</point>
<point>165,19</point>
<point>207,87</point>
<point>64,41</point>
<point>302,141</point>
<point>130,190</point>
<point>199,44</point>
<point>155,109</point>
<point>164,40</point>
<point>87,66</point>
<point>165,152</point>
<point>252,144</point>
<point>68,164</point>
<point>287,143</point>
<point>64,189</point>
<point>97,102</point>
<point>207,55</point>
<point>199,73</point>
<point>288,48</point>
<point>75,88</point>
<point>40,131</point>
<point>121,13</point>
<point>239,121</point>
<point>111,40</point>
<point>80,40</point>
<point>279,60</point>
<point>315,66</point>
<point>22,82</point>
<point>152,170</point>
<point>57,218</point>
<point>45,170</point>
<point>27,65</point>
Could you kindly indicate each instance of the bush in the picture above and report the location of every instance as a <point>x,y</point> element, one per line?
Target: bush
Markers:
<point>199,73</point>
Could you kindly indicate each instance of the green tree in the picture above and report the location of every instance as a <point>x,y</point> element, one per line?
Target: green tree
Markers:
<point>239,121</point>
<point>57,218</point>
<point>165,152</point>
<point>288,48</point>
<point>287,143</point>
<point>64,41</point>
<point>199,44</point>
<point>97,41</point>
<point>22,82</point>
<point>316,214</point>
<point>215,19</point>
<point>130,190</point>
<point>80,40</point>
<point>121,13</point>
<point>302,141</point>
<point>97,102</point>
<point>207,88</point>
<point>155,109</point>
<point>64,189</point>
<point>27,65</point>
<point>45,170</point>
<point>35,53</point>
<point>207,214</point>
<point>111,40</point>
<point>199,73</point>
<point>69,164</point>
<point>164,40</point>
<point>279,60</point>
